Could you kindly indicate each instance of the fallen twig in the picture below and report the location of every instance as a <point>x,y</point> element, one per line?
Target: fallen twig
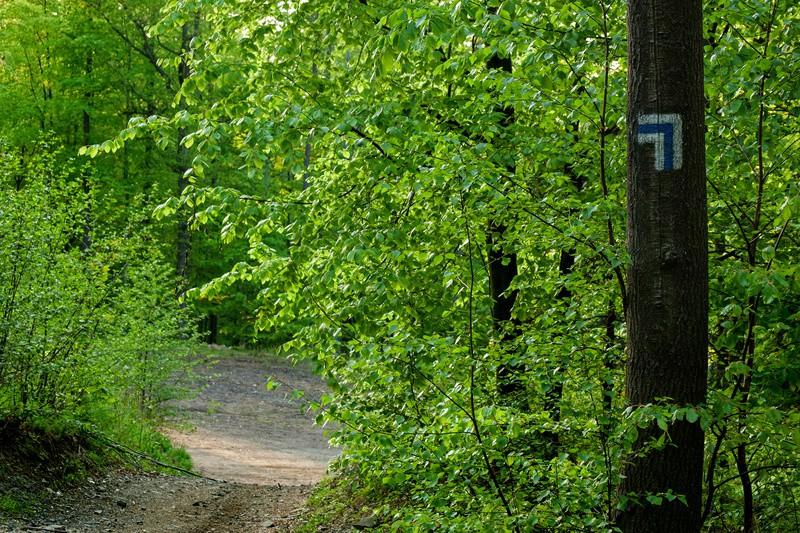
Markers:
<point>130,451</point>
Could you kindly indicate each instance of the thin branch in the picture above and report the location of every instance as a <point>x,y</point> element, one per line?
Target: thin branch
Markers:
<point>124,449</point>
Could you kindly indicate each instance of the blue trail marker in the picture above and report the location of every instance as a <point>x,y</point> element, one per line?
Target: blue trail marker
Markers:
<point>665,131</point>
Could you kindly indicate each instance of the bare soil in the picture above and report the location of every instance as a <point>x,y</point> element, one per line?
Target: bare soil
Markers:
<point>247,434</point>
<point>259,449</point>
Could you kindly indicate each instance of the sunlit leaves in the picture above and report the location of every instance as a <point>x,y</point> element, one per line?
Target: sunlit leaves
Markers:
<point>384,147</point>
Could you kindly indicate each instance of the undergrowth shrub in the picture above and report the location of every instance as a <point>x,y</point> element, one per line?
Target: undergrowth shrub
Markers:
<point>88,334</point>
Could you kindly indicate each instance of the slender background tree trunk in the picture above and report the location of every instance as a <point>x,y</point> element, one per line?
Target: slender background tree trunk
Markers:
<point>188,32</point>
<point>667,239</point>
<point>86,241</point>
<point>502,265</point>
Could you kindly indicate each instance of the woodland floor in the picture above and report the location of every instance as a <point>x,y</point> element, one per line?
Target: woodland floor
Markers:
<point>259,449</point>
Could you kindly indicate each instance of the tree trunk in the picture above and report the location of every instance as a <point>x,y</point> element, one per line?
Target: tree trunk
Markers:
<point>182,160</point>
<point>566,263</point>
<point>213,328</point>
<point>667,239</point>
<point>502,266</point>
<point>86,241</point>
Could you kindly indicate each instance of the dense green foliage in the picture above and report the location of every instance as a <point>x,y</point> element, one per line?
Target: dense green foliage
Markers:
<point>80,69</point>
<point>397,149</point>
<point>91,333</point>
<point>349,170</point>
<point>88,337</point>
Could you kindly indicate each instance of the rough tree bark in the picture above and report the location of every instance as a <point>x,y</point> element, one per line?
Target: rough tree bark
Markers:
<point>667,238</point>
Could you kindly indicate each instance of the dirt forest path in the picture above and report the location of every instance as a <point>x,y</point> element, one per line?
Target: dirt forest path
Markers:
<point>247,434</point>
<point>258,448</point>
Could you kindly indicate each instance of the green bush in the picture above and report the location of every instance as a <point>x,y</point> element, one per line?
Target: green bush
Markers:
<point>93,334</point>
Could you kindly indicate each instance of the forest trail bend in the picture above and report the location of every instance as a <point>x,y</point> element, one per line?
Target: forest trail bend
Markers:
<point>247,434</point>
<point>258,448</point>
